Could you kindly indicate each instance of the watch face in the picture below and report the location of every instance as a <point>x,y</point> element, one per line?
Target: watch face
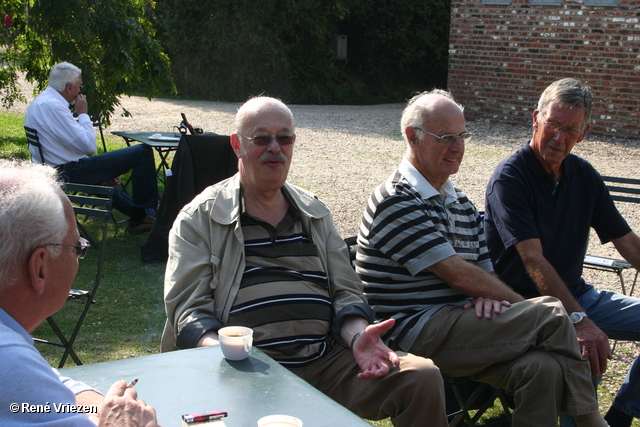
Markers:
<point>577,317</point>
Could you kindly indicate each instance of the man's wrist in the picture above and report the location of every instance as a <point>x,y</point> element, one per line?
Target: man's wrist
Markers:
<point>577,316</point>
<point>355,337</point>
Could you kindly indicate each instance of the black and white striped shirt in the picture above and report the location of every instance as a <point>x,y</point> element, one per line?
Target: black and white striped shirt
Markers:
<point>407,227</point>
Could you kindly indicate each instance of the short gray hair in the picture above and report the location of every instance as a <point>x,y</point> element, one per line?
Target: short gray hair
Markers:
<point>31,214</point>
<point>569,93</point>
<point>419,108</point>
<point>63,73</point>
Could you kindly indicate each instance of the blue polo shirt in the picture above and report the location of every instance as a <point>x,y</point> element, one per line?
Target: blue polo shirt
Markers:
<point>521,204</point>
<point>27,380</point>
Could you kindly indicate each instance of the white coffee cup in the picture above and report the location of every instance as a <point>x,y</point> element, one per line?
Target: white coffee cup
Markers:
<point>279,421</point>
<point>235,342</point>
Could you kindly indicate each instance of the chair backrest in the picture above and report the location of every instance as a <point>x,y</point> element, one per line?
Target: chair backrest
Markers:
<point>352,245</point>
<point>91,201</point>
<point>623,189</point>
<point>32,137</point>
<point>96,119</point>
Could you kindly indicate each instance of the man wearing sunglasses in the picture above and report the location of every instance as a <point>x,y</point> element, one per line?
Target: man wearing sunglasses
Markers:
<point>38,262</point>
<point>423,260</point>
<point>256,251</point>
<point>540,206</point>
<point>67,145</point>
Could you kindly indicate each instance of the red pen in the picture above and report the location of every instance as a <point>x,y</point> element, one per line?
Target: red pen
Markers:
<point>198,417</point>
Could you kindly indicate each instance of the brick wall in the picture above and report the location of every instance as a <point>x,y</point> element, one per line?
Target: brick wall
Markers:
<point>501,57</point>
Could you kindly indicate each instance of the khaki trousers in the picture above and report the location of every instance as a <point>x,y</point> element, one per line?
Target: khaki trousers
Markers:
<point>411,394</point>
<point>530,350</point>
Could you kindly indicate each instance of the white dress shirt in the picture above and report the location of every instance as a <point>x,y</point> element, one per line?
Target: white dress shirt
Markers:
<point>63,138</point>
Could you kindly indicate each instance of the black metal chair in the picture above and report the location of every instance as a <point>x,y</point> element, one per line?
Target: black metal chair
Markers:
<point>32,138</point>
<point>90,201</point>
<point>96,119</point>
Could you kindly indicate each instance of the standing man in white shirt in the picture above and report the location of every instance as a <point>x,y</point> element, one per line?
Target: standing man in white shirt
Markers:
<point>66,143</point>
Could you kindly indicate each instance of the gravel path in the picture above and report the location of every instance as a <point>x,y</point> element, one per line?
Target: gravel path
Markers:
<point>343,152</point>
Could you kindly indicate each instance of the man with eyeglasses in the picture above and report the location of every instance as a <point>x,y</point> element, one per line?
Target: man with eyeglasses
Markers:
<point>540,206</point>
<point>423,260</point>
<point>256,251</point>
<point>38,262</point>
<point>67,144</point>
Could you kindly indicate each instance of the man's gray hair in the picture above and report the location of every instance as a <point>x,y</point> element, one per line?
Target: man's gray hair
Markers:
<point>63,73</point>
<point>568,93</point>
<point>419,108</point>
<point>31,214</point>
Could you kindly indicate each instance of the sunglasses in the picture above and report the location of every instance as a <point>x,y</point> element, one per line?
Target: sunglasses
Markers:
<point>264,140</point>
<point>81,248</point>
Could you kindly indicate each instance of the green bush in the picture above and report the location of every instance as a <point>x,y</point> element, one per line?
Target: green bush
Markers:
<point>228,49</point>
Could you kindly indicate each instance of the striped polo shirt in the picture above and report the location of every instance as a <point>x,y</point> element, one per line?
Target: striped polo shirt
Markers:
<point>284,293</point>
<point>407,227</point>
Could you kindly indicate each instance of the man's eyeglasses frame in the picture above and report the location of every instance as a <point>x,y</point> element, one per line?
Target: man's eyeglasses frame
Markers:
<point>554,128</point>
<point>449,139</point>
<point>81,248</point>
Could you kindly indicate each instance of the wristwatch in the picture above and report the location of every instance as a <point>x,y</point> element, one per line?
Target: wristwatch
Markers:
<point>577,316</point>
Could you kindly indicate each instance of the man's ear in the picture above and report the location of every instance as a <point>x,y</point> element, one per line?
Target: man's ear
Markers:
<point>584,132</point>
<point>410,131</point>
<point>534,124</point>
<point>235,144</point>
<point>37,269</point>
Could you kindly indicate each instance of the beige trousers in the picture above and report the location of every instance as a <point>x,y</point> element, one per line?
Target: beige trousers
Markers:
<point>411,394</point>
<point>530,350</point>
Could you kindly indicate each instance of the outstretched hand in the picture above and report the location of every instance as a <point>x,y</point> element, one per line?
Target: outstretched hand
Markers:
<point>373,356</point>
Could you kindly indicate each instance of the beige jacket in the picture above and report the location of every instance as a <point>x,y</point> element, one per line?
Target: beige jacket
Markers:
<point>206,262</point>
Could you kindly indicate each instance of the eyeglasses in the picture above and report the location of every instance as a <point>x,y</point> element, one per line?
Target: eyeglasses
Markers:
<point>554,128</point>
<point>449,139</point>
<point>264,140</point>
<point>81,248</point>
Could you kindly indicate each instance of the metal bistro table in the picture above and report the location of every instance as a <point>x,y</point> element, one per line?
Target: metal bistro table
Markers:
<point>200,379</point>
<point>165,144</point>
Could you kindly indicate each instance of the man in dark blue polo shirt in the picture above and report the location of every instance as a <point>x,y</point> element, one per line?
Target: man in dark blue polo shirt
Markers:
<point>540,206</point>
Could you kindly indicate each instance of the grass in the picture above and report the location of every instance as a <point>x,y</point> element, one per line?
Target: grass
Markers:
<point>128,316</point>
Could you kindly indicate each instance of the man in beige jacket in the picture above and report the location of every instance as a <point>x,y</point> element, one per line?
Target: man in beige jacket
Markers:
<point>256,251</point>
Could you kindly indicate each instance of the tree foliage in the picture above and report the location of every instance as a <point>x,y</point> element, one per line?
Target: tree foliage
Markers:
<point>112,41</point>
<point>231,49</point>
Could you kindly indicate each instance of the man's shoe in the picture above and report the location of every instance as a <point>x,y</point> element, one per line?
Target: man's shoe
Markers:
<point>140,227</point>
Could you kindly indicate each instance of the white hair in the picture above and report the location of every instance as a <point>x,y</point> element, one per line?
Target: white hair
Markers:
<point>419,108</point>
<point>63,73</point>
<point>31,214</point>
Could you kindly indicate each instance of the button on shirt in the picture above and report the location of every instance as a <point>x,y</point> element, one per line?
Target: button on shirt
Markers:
<point>63,138</point>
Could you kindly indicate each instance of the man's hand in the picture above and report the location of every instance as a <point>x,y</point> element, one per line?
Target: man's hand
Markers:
<point>114,182</point>
<point>372,355</point>
<point>209,338</point>
<point>594,345</point>
<point>120,408</point>
<point>81,106</point>
<point>486,306</point>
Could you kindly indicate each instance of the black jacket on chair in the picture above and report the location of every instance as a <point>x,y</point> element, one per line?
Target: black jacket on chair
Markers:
<point>199,161</point>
